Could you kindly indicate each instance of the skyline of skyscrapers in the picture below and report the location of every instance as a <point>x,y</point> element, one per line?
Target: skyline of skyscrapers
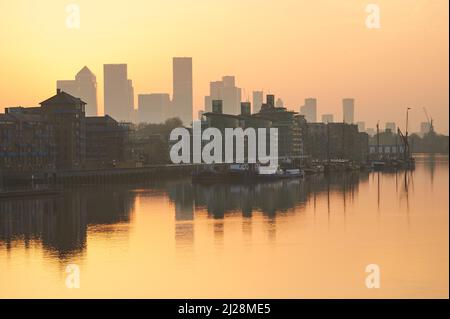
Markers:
<point>118,87</point>
<point>348,110</point>
<point>118,92</point>
<point>309,110</point>
<point>182,100</point>
<point>84,87</point>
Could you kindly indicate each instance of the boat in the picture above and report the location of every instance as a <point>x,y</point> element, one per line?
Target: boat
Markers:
<point>244,173</point>
<point>378,165</point>
<point>208,174</point>
<point>280,174</point>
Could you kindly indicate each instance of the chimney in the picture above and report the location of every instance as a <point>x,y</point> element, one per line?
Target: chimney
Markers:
<point>245,108</point>
<point>217,106</point>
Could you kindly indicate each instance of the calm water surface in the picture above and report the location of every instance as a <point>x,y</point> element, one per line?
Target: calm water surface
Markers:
<point>287,239</point>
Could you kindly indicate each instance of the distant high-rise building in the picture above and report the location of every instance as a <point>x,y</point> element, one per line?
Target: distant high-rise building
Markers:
<point>231,96</point>
<point>228,81</point>
<point>348,106</point>
<point>217,106</point>
<point>208,104</point>
<point>152,108</point>
<point>84,87</point>
<point>226,91</point>
<point>361,126</point>
<point>131,94</point>
<point>327,118</point>
<point>371,131</point>
<point>68,86</point>
<point>309,110</point>
<point>118,92</point>
<point>391,126</point>
<point>258,100</point>
<point>216,90</point>
<point>425,128</point>
<point>182,103</point>
<point>279,103</point>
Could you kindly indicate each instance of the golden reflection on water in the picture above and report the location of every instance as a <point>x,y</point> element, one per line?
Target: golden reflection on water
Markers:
<point>290,239</point>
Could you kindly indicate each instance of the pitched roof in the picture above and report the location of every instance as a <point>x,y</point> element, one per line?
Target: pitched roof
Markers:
<point>62,98</point>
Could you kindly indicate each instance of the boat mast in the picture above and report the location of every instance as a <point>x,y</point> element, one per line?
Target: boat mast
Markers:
<point>378,140</point>
<point>407,156</point>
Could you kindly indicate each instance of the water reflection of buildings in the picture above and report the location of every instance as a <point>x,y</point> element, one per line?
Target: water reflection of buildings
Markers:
<point>60,223</point>
<point>269,199</point>
<point>182,195</point>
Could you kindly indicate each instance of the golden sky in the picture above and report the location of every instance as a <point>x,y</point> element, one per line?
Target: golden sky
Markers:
<point>294,48</point>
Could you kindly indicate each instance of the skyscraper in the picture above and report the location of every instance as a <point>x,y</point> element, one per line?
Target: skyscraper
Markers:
<point>361,126</point>
<point>258,100</point>
<point>425,128</point>
<point>226,91</point>
<point>208,104</point>
<point>279,103</point>
<point>216,90</point>
<point>231,96</point>
<point>327,118</point>
<point>182,89</point>
<point>130,95</point>
<point>84,87</point>
<point>68,86</point>
<point>309,110</point>
<point>348,107</point>
<point>391,126</point>
<point>87,85</point>
<point>217,106</point>
<point>371,131</point>
<point>152,108</point>
<point>118,92</point>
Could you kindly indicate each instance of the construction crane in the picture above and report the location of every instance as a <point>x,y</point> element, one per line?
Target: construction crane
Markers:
<point>429,120</point>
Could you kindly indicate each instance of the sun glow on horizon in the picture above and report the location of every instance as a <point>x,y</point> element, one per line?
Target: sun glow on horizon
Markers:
<point>294,49</point>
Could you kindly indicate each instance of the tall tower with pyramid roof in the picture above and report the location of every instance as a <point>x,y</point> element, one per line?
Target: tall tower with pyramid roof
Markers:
<point>84,87</point>
<point>87,85</point>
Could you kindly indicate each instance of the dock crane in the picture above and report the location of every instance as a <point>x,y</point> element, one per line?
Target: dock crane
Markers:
<point>429,120</point>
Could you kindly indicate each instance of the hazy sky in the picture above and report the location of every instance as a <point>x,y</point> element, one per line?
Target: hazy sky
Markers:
<point>294,48</point>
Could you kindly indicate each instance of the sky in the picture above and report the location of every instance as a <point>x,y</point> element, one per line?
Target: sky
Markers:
<point>294,49</point>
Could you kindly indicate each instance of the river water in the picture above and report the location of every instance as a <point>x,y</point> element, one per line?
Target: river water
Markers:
<point>309,238</point>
